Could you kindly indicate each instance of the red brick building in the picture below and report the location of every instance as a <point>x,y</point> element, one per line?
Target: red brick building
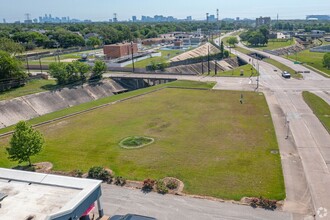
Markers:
<point>114,51</point>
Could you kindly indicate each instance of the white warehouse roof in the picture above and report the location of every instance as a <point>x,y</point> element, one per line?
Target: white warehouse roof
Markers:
<point>45,196</point>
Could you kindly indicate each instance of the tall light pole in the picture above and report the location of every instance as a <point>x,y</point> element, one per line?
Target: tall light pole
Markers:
<point>40,64</point>
<point>27,63</point>
<point>208,60</point>
<point>132,51</point>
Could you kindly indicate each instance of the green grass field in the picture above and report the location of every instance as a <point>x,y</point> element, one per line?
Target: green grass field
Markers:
<point>283,68</point>
<point>312,59</point>
<point>33,86</point>
<point>76,55</point>
<point>166,55</point>
<point>236,72</point>
<point>215,145</point>
<point>320,108</point>
<point>273,45</point>
<point>106,100</point>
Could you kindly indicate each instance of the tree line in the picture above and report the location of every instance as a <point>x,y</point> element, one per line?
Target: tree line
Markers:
<point>73,35</point>
<point>256,37</point>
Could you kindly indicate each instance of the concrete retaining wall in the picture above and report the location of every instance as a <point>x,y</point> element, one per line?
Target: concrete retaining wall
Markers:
<point>31,106</point>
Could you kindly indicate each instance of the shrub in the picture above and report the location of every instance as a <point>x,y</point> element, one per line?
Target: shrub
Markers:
<point>120,181</point>
<point>99,173</point>
<point>148,185</point>
<point>77,173</point>
<point>263,203</point>
<point>172,184</point>
<point>161,187</point>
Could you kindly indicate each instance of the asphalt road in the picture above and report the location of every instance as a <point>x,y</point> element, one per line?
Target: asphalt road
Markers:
<point>308,136</point>
<point>120,201</point>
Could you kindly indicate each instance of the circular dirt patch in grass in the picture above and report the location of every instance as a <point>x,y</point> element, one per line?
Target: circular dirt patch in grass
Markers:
<point>135,142</point>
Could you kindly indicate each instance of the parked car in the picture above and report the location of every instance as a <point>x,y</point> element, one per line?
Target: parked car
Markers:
<point>285,74</point>
<point>136,217</point>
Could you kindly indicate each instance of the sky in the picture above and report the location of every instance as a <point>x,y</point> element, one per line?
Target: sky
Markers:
<point>103,10</point>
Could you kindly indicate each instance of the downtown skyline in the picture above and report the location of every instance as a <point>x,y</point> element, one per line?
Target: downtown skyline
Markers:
<point>103,10</point>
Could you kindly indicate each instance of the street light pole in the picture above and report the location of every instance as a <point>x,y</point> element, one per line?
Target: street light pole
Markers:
<point>40,64</point>
<point>132,57</point>
<point>208,60</point>
<point>27,63</point>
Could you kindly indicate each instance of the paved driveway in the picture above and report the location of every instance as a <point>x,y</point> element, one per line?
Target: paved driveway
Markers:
<point>120,201</point>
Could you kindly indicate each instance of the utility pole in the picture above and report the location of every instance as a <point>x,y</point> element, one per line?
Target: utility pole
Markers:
<point>40,64</point>
<point>208,60</point>
<point>202,66</point>
<point>257,76</point>
<point>216,67</point>
<point>27,63</point>
<point>218,26</point>
<point>132,51</point>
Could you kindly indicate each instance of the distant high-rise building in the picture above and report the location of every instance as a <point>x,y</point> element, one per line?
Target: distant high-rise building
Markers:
<point>263,21</point>
<point>4,21</point>
<point>212,18</point>
<point>189,18</point>
<point>237,18</point>
<point>134,19</point>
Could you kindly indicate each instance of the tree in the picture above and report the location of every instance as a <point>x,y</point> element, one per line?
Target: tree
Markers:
<point>10,46</point>
<point>222,49</point>
<point>93,42</point>
<point>99,68</point>
<point>82,69</point>
<point>265,32</point>
<point>10,67</point>
<point>59,72</point>
<point>69,72</point>
<point>232,41</point>
<point>256,38</point>
<point>225,54</point>
<point>326,60</point>
<point>25,142</point>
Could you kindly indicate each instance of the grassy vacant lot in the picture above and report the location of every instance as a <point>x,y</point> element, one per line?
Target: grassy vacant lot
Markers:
<point>312,59</point>
<point>166,55</point>
<point>283,67</point>
<point>274,44</point>
<point>320,108</point>
<point>236,72</point>
<point>215,145</point>
<point>76,55</point>
<point>106,100</point>
<point>33,86</point>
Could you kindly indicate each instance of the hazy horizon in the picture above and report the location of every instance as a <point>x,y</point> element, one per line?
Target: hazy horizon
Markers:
<point>103,10</point>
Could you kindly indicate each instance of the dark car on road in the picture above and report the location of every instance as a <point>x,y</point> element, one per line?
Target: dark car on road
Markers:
<point>131,217</point>
<point>285,74</point>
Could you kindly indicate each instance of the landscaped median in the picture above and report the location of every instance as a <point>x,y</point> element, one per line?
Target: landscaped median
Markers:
<point>313,59</point>
<point>207,139</point>
<point>283,67</point>
<point>320,108</point>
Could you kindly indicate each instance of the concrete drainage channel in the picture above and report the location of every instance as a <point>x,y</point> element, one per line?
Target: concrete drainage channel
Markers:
<point>100,106</point>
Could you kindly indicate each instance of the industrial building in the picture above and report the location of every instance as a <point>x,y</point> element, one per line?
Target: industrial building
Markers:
<point>115,51</point>
<point>36,196</point>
